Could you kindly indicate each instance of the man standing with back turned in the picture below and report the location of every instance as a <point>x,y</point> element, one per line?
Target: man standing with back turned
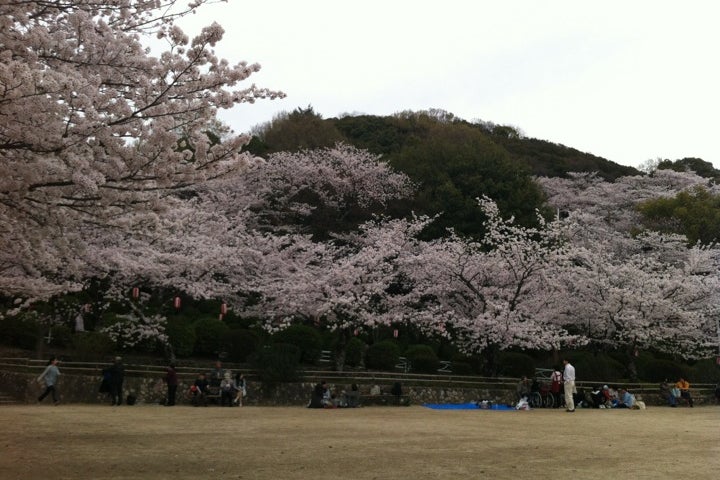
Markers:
<point>569,379</point>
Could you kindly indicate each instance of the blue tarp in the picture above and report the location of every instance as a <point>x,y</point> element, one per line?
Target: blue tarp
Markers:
<point>465,406</point>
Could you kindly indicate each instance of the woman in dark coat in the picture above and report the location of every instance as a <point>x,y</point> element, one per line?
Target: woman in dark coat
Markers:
<point>171,379</point>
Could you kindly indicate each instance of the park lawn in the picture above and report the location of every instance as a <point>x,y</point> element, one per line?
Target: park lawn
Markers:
<point>154,442</point>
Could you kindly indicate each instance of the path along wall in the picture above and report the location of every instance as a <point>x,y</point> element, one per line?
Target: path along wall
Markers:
<point>150,389</point>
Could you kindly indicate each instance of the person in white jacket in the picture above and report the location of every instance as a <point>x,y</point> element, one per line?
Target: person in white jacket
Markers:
<point>569,385</point>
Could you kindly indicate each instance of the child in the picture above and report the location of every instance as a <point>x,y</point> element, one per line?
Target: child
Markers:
<point>50,377</point>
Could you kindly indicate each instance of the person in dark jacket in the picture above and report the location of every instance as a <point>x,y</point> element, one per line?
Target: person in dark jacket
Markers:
<point>115,381</point>
<point>316,400</point>
<point>199,391</point>
<point>171,379</point>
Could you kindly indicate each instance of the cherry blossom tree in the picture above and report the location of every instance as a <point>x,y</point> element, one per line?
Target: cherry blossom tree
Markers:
<point>627,287</point>
<point>492,294</point>
<point>613,204</point>
<point>96,131</point>
<point>658,295</point>
<point>320,191</point>
<point>213,244</point>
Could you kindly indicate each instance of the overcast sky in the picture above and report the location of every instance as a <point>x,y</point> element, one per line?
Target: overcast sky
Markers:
<point>625,80</point>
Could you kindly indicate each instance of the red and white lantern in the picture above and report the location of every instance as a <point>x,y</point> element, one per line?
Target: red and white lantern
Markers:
<point>135,293</point>
<point>395,333</point>
<point>177,303</point>
<point>223,309</point>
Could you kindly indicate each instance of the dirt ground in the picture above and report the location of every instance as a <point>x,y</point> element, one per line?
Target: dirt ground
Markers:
<point>153,442</point>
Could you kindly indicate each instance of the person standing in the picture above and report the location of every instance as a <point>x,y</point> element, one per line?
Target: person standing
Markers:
<point>241,385</point>
<point>171,379</point>
<point>50,376</point>
<point>556,381</point>
<point>569,385</point>
<point>117,376</point>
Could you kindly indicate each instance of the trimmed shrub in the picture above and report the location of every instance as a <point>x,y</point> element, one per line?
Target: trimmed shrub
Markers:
<point>705,371</point>
<point>422,359</point>
<point>19,332</point>
<point>425,363</point>
<point>382,356</point>
<point>242,344</point>
<point>181,335</point>
<point>277,363</point>
<point>461,368</point>
<point>62,336</point>
<point>354,352</point>
<point>211,336</point>
<point>601,367</point>
<point>658,370</point>
<point>474,361</point>
<point>92,345</point>
<point>418,349</point>
<point>306,338</point>
<point>513,364</point>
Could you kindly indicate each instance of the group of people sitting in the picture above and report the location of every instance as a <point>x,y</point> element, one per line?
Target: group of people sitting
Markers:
<point>323,396</point>
<point>609,397</point>
<point>674,393</point>
<point>232,389</point>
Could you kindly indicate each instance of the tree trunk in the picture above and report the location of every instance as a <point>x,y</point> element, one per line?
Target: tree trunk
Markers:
<point>490,354</point>
<point>556,357</point>
<point>341,349</point>
<point>632,366</point>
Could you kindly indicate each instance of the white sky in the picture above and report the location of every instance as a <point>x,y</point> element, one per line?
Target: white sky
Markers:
<point>626,80</point>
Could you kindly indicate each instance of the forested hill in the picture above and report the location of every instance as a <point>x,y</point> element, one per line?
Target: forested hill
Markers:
<point>390,135</point>
<point>451,161</point>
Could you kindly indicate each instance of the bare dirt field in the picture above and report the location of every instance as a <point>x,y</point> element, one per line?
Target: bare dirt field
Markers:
<point>153,442</point>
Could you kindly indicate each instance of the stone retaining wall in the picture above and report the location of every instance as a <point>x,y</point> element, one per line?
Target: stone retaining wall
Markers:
<point>75,388</point>
<point>84,389</point>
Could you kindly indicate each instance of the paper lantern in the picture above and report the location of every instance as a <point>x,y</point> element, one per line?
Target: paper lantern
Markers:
<point>177,303</point>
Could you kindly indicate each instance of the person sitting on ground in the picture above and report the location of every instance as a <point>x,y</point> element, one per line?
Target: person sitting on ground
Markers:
<point>523,388</point>
<point>328,398</point>
<point>684,387</point>
<point>199,391</point>
<point>614,397</point>
<point>667,394</point>
<point>396,391</point>
<point>216,375</point>
<point>228,390</point>
<point>625,399</point>
<point>316,399</point>
<point>352,398</point>
<point>597,398</point>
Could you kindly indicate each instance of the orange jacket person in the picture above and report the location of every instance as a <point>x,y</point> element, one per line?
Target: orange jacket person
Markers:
<point>684,387</point>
